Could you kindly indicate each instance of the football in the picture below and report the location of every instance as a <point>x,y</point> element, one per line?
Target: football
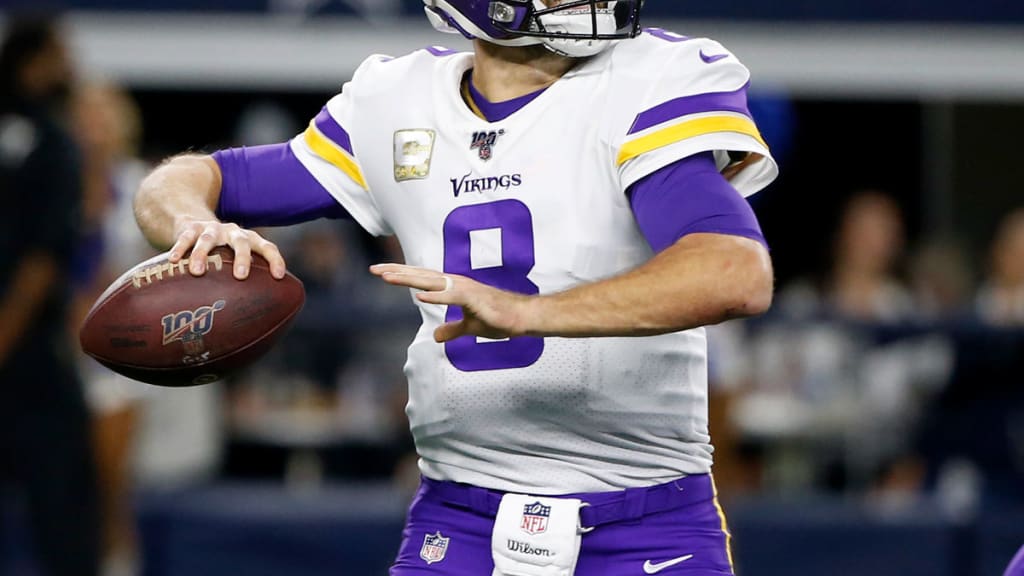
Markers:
<point>159,324</point>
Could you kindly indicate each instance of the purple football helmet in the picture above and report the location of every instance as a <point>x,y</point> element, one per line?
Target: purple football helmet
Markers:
<point>568,27</point>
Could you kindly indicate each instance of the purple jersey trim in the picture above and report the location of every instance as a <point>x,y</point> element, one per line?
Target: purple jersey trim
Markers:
<point>330,128</point>
<point>735,101</point>
<point>268,186</point>
<point>498,111</point>
<point>666,35</point>
<point>440,51</point>
<point>688,197</point>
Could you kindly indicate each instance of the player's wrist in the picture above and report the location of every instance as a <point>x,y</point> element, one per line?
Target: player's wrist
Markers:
<point>531,317</point>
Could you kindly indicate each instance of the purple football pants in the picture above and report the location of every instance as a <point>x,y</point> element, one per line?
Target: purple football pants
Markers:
<point>672,529</point>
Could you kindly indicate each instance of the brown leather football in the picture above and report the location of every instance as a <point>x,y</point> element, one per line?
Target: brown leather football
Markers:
<point>159,324</point>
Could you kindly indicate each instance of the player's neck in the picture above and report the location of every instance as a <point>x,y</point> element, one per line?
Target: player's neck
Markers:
<point>502,73</point>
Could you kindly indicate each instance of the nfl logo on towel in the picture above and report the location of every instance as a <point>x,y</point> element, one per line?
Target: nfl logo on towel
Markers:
<point>535,518</point>
<point>434,547</point>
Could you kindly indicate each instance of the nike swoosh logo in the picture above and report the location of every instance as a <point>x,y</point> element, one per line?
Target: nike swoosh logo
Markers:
<point>713,58</point>
<point>655,568</point>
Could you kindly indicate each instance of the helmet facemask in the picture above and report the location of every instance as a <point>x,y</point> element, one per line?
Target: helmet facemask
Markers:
<point>584,27</point>
<point>576,28</point>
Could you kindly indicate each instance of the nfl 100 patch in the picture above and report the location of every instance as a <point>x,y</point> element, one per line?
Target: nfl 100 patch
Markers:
<point>484,143</point>
<point>434,547</point>
<point>189,327</point>
<point>414,150</point>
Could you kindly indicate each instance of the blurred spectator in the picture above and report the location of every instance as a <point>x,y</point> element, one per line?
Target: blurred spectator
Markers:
<point>320,344</point>
<point>940,280</point>
<point>162,438</point>
<point>327,402</point>
<point>107,127</point>
<point>1001,299</point>
<point>44,432</point>
<point>155,437</point>
<point>825,388</point>
<point>861,282</point>
<point>973,438</point>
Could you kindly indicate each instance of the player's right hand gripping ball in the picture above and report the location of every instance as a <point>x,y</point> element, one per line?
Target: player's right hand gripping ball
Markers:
<point>159,324</point>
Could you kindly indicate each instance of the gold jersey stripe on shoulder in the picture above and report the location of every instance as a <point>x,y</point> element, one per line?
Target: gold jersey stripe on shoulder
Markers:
<point>686,130</point>
<point>334,154</point>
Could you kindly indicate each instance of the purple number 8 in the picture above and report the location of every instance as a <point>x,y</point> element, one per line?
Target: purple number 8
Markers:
<point>513,222</point>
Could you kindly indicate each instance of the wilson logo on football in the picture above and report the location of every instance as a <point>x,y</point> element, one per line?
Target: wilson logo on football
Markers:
<point>190,325</point>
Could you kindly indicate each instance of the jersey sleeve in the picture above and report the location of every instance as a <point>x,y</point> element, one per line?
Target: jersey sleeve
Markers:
<point>268,186</point>
<point>692,99</point>
<point>330,152</point>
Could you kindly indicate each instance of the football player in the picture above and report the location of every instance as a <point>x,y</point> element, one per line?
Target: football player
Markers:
<point>570,198</point>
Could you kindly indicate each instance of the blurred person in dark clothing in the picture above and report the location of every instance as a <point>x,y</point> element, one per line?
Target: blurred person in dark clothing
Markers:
<point>44,432</point>
<point>973,438</point>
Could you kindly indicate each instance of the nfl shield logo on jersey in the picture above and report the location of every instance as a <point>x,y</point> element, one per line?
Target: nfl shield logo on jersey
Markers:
<point>484,143</point>
<point>535,518</point>
<point>434,547</point>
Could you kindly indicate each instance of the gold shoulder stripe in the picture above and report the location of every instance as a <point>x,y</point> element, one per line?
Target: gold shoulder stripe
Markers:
<point>686,130</point>
<point>329,151</point>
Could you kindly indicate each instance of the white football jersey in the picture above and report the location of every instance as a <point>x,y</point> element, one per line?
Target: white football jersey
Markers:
<point>536,203</point>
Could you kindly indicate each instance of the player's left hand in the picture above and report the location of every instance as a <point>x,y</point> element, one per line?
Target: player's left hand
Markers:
<point>486,311</point>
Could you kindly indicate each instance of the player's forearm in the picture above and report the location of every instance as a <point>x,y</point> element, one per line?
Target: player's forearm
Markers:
<point>703,279</point>
<point>183,189</point>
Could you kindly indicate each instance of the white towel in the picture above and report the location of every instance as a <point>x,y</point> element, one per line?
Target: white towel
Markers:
<point>536,536</point>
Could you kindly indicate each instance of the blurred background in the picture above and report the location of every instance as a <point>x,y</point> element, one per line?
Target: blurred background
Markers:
<point>872,423</point>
